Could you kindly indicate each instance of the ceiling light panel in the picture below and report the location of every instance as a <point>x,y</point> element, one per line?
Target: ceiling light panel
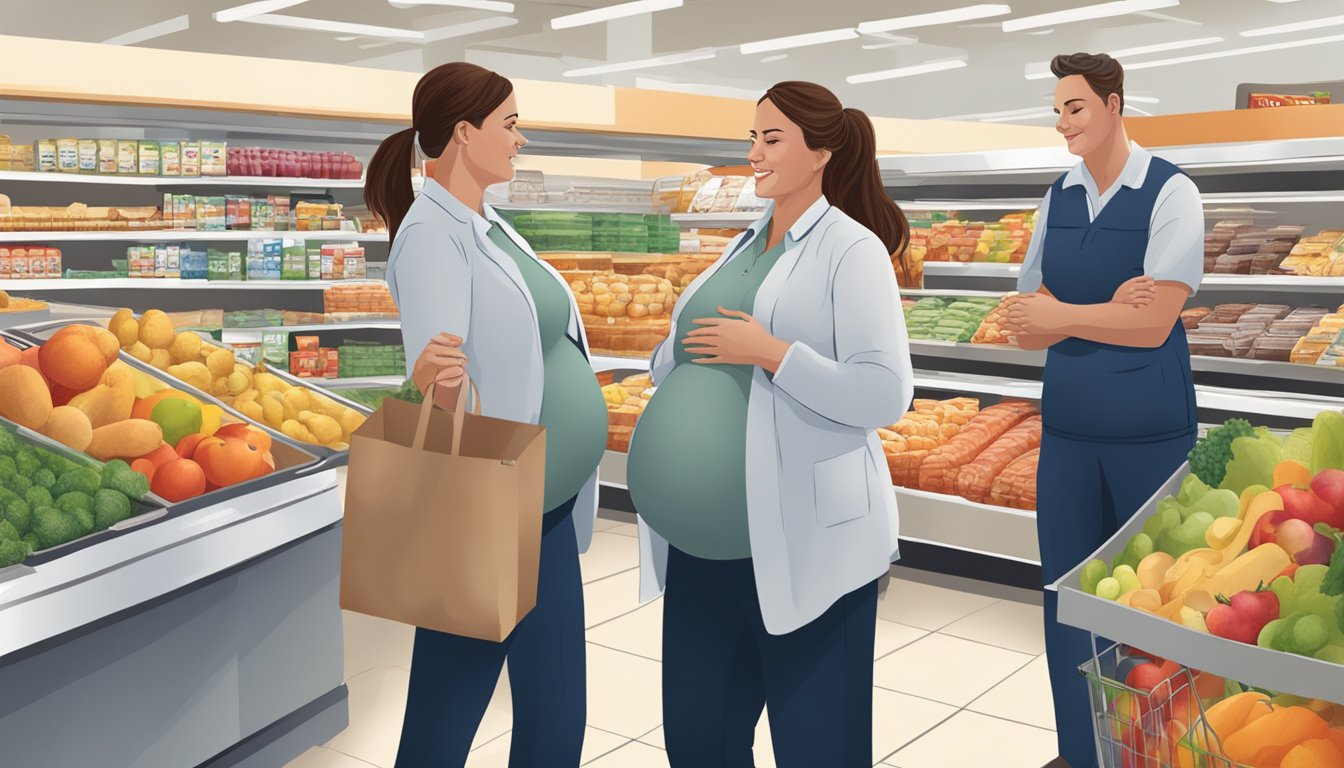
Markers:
<point>917,69</point>
<point>799,41</point>
<point>240,12</point>
<point>151,32</point>
<point>698,89</point>
<point>1237,52</point>
<point>469,28</point>
<point>620,11</point>
<point>951,16</point>
<point>476,5</point>
<point>339,27</point>
<point>1301,26</point>
<point>657,61</point>
<point>1040,70</point>
<point>1087,13</point>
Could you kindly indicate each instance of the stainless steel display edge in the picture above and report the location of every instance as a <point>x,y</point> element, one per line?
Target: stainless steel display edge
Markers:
<point>1238,661</point>
<point>12,319</point>
<point>87,585</point>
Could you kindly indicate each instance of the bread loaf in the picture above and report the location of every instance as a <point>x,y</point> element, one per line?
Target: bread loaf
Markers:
<point>975,481</point>
<point>939,471</point>
<point>904,467</point>
<point>1015,487</point>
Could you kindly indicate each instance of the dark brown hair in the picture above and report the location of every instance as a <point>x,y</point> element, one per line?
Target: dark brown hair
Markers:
<point>851,180</point>
<point>444,97</point>
<point>1104,75</point>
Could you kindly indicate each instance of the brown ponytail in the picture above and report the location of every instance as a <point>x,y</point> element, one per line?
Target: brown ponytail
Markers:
<point>851,180</point>
<point>447,95</point>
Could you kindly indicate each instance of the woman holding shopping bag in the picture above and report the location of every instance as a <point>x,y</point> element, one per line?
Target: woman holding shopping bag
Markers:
<point>763,494</point>
<point>476,301</point>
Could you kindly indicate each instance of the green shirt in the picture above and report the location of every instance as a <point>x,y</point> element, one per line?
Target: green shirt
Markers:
<point>572,408</point>
<point>687,463</point>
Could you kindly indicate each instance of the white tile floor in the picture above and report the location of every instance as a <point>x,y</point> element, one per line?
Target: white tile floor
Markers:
<point>960,679</point>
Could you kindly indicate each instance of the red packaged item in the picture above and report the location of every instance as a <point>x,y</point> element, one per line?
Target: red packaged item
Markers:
<point>306,365</point>
<point>331,361</point>
<point>307,343</point>
<point>1268,100</point>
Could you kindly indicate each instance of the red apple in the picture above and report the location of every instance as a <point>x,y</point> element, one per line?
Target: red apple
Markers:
<point>1304,505</point>
<point>1266,526</point>
<point>1328,485</point>
<point>1144,677</point>
<point>1303,542</point>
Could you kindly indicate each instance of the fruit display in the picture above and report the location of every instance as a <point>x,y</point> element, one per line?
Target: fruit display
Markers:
<point>626,401</point>
<point>15,304</point>
<point>1250,549</point>
<point>950,318</point>
<point>942,236</point>
<point>300,413</point>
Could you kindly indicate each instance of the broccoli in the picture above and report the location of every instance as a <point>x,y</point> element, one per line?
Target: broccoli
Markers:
<point>6,495</point>
<point>118,476</point>
<point>7,466</point>
<point>9,443</point>
<point>20,484</point>
<point>38,496</point>
<point>44,478</point>
<point>27,461</point>
<point>53,527</point>
<point>110,507</point>
<point>8,531</point>
<point>1209,458</point>
<point>410,392</point>
<point>13,552</point>
<point>57,463</point>
<point>82,479</point>
<point>16,512</point>
<point>31,540</point>
<point>79,506</point>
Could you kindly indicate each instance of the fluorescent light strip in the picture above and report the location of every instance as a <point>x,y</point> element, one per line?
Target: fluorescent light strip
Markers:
<point>1086,13</point>
<point>799,41</point>
<point>1236,52</point>
<point>1040,70</point>
<point>1142,99</point>
<point>240,12</point>
<point>776,57</point>
<point>952,16</point>
<point>1038,114</point>
<point>161,29</point>
<point>469,28</point>
<point>1301,26</point>
<point>1027,112</point>
<point>620,11</point>
<point>657,61</point>
<point>917,69</point>
<point>478,5</point>
<point>699,89</point>
<point>340,27</point>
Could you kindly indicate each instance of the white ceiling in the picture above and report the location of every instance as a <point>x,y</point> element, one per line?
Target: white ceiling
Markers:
<point>992,82</point>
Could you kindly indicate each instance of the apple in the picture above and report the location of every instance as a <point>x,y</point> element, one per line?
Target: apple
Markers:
<point>1328,486</point>
<point>1304,505</point>
<point>1304,543</point>
<point>1266,526</point>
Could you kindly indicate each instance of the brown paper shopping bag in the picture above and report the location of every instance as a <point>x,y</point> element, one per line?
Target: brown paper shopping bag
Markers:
<point>443,518</point>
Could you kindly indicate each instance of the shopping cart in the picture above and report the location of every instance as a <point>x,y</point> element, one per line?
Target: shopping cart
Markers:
<point>1162,729</point>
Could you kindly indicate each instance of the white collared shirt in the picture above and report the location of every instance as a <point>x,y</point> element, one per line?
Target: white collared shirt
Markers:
<point>1175,235</point>
<point>796,233</point>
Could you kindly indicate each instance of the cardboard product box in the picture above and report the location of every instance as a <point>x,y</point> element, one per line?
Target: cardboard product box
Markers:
<point>170,158</point>
<point>275,348</point>
<point>88,156</point>
<point>307,365</point>
<point>128,157</point>
<point>160,261</point>
<point>236,266</point>
<point>331,362</point>
<point>6,265</point>
<point>248,352</point>
<point>254,269</point>
<point>195,264</point>
<point>150,164</point>
<point>173,265</point>
<point>307,343</point>
<point>314,261</point>
<point>216,265</point>
<point>107,157</point>
<point>54,268</point>
<point>214,158</point>
<point>295,263</point>
<point>21,158</point>
<point>37,263</point>
<point>272,259</point>
<point>18,263</point>
<point>191,158</point>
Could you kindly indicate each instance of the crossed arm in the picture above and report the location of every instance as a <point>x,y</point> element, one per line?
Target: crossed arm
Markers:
<point>1140,314</point>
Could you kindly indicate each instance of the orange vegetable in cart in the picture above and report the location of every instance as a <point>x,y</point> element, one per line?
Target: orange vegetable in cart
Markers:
<point>9,355</point>
<point>228,460</point>
<point>1269,739</point>
<point>1316,753</point>
<point>178,480</point>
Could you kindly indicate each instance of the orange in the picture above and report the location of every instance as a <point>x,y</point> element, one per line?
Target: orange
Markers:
<point>145,467</point>
<point>72,360</point>
<point>178,480</point>
<point>228,460</point>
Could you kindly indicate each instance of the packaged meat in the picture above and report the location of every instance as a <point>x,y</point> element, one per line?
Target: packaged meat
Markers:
<point>1190,318</point>
<point>975,480</point>
<point>939,471</point>
<point>1270,100</point>
<point>1277,348</point>
<point>1015,487</point>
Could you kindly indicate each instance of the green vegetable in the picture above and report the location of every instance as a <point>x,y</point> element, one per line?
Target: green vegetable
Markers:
<point>9,442</point>
<point>1166,517</point>
<point>8,531</point>
<point>410,393</point>
<point>7,467</point>
<point>1188,535</point>
<point>1135,550</point>
<point>110,507</point>
<point>27,461</point>
<point>1339,615</point>
<point>44,478</point>
<point>1209,458</point>
<point>1301,594</point>
<point>6,495</point>
<point>56,463</point>
<point>39,497</point>
<point>20,484</point>
<point>1333,583</point>
<point>1091,575</point>
<point>1298,446</point>
<point>13,552</point>
<point>82,479</point>
<point>1309,634</point>
<point>118,476</point>
<point>1327,445</point>
<point>16,512</point>
<point>1253,462</point>
<point>79,506</point>
<point>31,540</point>
<point>53,527</point>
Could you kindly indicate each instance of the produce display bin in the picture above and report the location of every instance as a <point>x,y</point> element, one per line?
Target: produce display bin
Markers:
<point>1250,664</point>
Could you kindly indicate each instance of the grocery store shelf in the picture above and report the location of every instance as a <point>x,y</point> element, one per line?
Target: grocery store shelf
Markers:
<point>998,204</point>
<point>1277,283</point>
<point>185,235</point>
<point>611,472</point>
<point>566,207</point>
<point>971,269</point>
<point>919,293</point>
<point>315,327</point>
<point>165,283</point>
<point>181,181</point>
<point>733,220</point>
<point>604,363</point>
<point>991,353</point>
<point>951,521</point>
<point>974,384</point>
<point>358,381</point>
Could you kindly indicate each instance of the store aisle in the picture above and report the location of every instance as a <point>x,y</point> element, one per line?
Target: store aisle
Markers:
<point>960,677</point>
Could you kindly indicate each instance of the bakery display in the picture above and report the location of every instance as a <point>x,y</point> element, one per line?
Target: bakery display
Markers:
<point>626,401</point>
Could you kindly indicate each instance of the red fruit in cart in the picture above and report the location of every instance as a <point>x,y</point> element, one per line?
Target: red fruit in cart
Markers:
<point>1328,485</point>
<point>228,460</point>
<point>1145,677</point>
<point>146,468</point>
<point>178,480</point>
<point>1243,616</point>
<point>248,434</point>
<point>186,447</point>
<point>161,455</point>
<point>1267,527</point>
<point>1304,543</point>
<point>62,395</point>
<point>1304,505</point>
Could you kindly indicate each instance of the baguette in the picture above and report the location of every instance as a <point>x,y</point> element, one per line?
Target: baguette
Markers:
<point>904,467</point>
<point>938,473</point>
<point>975,481</point>
<point>1015,487</point>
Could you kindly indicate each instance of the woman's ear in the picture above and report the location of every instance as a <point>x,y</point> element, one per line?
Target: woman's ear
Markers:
<point>823,157</point>
<point>460,135</point>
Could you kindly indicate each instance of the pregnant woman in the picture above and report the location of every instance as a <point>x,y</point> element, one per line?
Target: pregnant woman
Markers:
<point>477,301</point>
<point>760,482</point>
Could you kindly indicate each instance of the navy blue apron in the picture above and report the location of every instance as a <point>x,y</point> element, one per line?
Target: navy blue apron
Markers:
<point>1117,421</point>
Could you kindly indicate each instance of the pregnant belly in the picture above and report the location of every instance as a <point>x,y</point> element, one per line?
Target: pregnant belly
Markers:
<point>575,416</point>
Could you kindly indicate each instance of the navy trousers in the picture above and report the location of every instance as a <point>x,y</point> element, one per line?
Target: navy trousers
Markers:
<point>453,677</point>
<point>1085,491</point>
<point>721,667</point>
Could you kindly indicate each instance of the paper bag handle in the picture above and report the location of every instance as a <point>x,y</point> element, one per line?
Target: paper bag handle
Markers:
<point>459,415</point>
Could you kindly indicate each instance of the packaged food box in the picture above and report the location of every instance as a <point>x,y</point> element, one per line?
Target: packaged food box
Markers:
<point>1277,348</point>
<point>305,365</point>
<point>107,156</point>
<point>150,164</point>
<point>21,158</point>
<point>6,265</point>
<point>191,157</point>
<point>214,158</point>
<point>275,348</point>
<point>67,155</point>
<point>88,156</point>
<point>307,343</point>
<point>128,156</point>
<point>170,158</point>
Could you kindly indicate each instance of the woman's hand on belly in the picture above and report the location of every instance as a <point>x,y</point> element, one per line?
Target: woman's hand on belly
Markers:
<point>735,339</point>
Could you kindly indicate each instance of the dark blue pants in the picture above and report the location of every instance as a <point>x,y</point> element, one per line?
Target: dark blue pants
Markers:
<point>1085,492</point>
<point>453,677</point>
<point>721,667</point>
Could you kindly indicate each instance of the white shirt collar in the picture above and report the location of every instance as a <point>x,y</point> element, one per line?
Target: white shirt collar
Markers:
<point>800,228</point>
<point>1132,175</point>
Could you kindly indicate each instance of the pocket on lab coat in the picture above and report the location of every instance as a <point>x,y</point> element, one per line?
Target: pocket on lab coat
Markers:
<point>841,486</point>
